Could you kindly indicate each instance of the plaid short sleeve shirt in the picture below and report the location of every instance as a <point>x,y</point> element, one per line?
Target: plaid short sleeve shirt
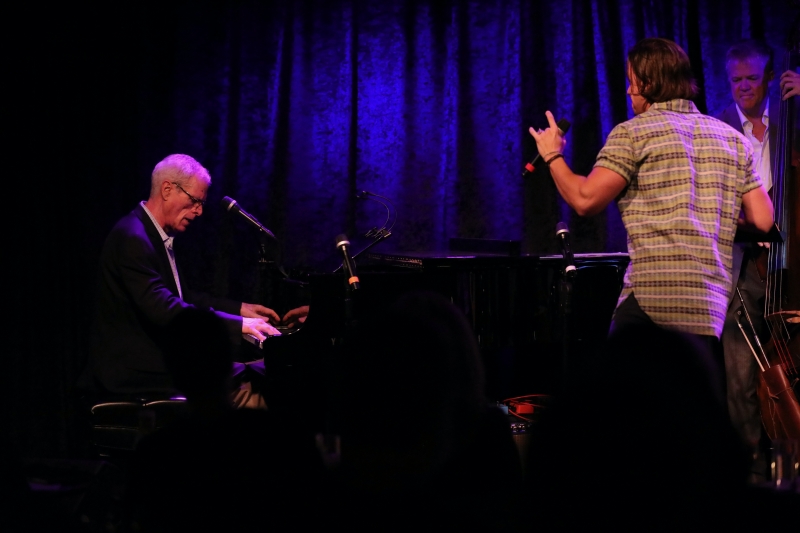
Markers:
<point>686,175</point>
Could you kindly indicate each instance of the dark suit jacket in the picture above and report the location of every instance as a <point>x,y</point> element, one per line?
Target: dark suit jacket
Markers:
<point>137,298</point>
<point>731,117</point>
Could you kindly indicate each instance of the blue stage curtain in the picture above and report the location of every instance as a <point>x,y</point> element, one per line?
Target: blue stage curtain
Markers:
<point>297,106</point>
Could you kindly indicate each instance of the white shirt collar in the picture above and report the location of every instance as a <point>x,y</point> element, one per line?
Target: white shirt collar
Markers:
<point>764,117</point>
<point>166,239</point>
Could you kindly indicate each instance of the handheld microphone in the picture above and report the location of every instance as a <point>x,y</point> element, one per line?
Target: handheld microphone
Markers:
<point>562,232</point>
<point>343,245</point>
<point>563,127</point>
<point>229,204</point>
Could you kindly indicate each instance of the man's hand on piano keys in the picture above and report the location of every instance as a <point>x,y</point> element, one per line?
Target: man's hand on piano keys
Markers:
<point>258,328</point>
<point>295,316</point>
<point>259,311</point>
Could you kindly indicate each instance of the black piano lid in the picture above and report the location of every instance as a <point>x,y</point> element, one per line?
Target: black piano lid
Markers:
<point>449,259</point>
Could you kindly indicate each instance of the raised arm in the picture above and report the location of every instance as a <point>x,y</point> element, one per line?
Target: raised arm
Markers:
<point>586,195</point>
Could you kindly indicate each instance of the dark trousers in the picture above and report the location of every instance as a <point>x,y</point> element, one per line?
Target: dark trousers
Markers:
<point>741,368</point>
<point>630,315</point>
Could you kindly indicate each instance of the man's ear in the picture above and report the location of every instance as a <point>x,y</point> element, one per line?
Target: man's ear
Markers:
<point>166,189</point>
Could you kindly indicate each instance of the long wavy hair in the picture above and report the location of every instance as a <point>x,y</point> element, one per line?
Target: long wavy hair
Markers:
<point>662,69</point>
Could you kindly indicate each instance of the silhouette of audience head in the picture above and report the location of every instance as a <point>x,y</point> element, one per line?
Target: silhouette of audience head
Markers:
<point>414,371</point>
<point>640,441</point>
<point>420,448</point>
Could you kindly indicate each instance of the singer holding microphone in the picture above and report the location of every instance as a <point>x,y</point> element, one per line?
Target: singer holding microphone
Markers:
<point>140,290</point>
<point>682,180</point>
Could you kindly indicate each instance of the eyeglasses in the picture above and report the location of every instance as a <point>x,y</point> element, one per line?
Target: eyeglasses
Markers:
<point>195,201</point>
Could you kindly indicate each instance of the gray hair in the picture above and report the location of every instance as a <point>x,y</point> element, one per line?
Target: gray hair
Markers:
<point>178,168</point>
<point>750,49</point>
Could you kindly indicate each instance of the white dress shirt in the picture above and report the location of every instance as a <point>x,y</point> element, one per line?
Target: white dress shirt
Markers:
<point>168,246</point>
<point>760,148</point>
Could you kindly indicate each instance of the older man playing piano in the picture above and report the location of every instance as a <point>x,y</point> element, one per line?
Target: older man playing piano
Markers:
<point>140,288</point>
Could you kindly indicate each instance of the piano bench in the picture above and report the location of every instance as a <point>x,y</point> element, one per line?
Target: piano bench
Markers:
<point>118,426</point>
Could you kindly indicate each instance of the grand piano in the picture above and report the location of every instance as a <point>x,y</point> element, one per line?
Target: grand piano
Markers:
<point>534,325</point>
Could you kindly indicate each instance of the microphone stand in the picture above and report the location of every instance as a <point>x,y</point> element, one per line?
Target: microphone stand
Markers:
<point>349,304</point>
<point>565,306</point>
<point>264,289</point>
<point>565,296</point>
<point>380,236</point>
<point>349,313</point>
<point>268,265</point>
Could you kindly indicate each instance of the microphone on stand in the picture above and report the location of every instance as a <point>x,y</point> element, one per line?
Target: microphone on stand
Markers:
<point>343,245</point>
<point>563,127</point>
<point>376,234</point>
<point>229,204</point>
<point>383,232</point>
<point>562,232</point>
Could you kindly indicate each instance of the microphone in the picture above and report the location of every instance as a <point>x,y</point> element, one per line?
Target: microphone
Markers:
<point>563,127</point>
<point>383,232</point>
<point>343,245</point>
<point>562,232</point>
<point>229,204</point>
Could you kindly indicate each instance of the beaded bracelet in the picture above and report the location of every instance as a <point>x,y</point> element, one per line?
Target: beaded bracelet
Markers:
<point>553,159</point>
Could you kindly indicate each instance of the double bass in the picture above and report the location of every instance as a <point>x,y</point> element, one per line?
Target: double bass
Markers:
<point>779,355</point>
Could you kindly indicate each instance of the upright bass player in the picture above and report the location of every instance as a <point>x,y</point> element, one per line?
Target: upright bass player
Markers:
<point>750,72</point>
